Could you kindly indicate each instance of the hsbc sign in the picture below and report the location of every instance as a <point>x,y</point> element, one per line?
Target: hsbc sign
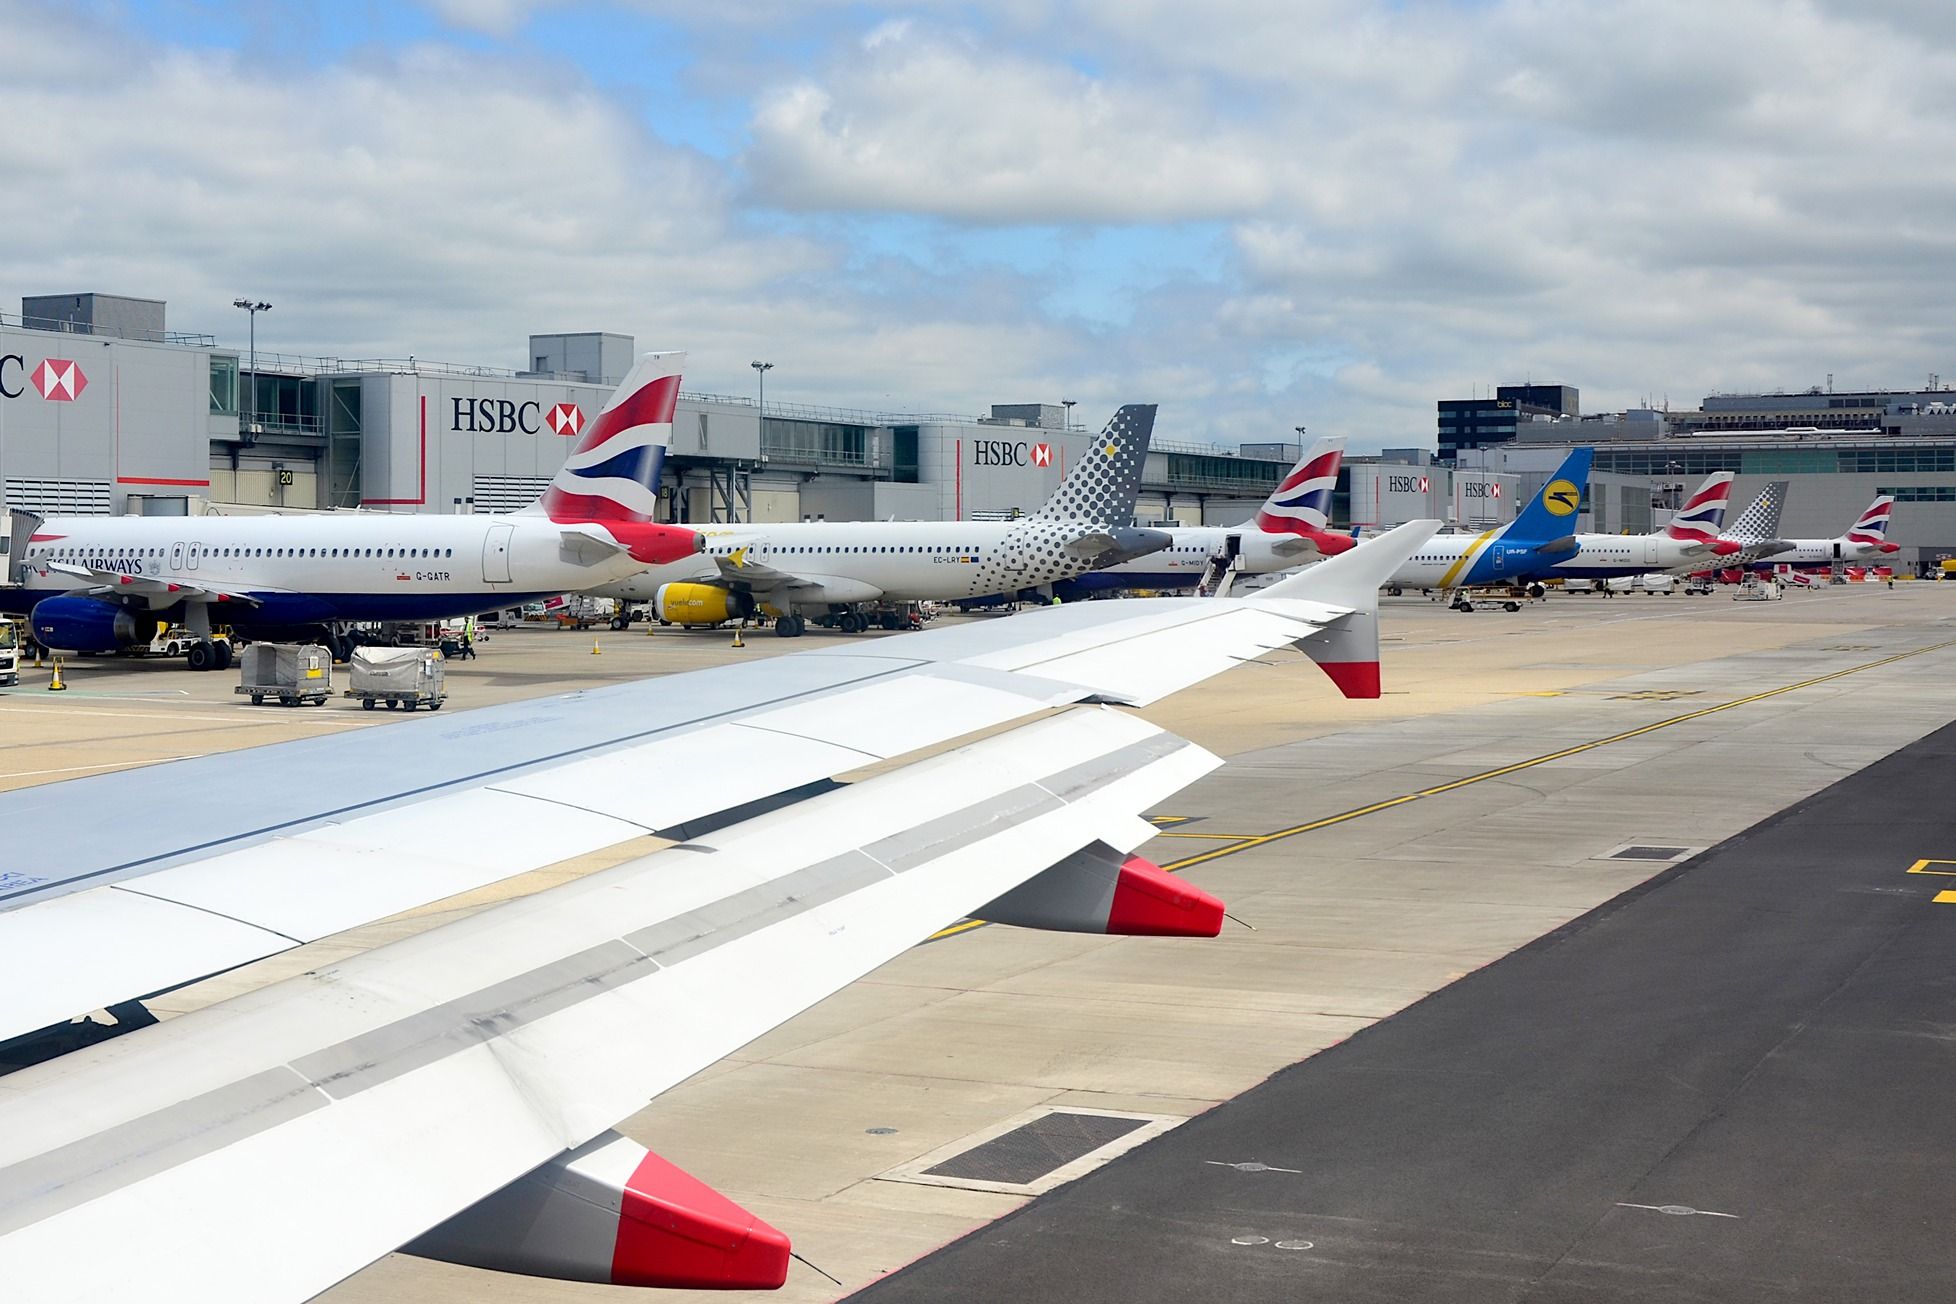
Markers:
<point>1407,484</point>
<point>58,380</point>
<point>501,416</point>
<point>1006,452</point>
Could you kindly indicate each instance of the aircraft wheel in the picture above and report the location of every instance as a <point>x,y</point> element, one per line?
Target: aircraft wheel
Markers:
<point>223,655</point>
<point>784,627</point>
<point>201,656</point>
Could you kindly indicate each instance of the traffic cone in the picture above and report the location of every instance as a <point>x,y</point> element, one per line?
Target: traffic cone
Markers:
<point>737,642</point>
<point>37,656</point>
<point>55,685</point>
<point>596,651</point>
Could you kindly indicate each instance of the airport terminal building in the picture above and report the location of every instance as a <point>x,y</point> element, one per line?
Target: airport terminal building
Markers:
<point>104,409</point>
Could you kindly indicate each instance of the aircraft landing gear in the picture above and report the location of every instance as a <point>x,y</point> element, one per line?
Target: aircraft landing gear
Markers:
<point>851,623</point>
<point>202,655</point>
<point>789,626</point>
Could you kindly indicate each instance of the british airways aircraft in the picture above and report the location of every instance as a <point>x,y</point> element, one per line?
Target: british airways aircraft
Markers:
<point>1687,543</point>
<point>1865,540</point>
<point>1290,529</point>
<point>99,583</point>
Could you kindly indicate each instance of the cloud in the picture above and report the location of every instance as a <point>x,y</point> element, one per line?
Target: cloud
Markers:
<point>1323,212</point>
<point>925,124</point>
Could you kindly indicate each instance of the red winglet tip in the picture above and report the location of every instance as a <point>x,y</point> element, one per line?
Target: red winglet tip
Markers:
<point>1353,678</point>
<point>1150,902</point>
<point>675,1231</point>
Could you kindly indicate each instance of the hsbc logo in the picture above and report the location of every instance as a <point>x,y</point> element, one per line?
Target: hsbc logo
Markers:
<point>1407,484</point>
<point>1006,452</point>
<point>566,419</point>
<point>57,379</point>
<point>1476,489</point>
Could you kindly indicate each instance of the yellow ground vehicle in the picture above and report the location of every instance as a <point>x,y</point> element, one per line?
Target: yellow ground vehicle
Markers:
<point>9,653</point>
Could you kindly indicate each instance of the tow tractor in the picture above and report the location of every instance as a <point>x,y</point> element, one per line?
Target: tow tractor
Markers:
<point>1509,596</point>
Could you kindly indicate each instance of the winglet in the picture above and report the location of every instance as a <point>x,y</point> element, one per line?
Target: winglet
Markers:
<point>1347,650</point>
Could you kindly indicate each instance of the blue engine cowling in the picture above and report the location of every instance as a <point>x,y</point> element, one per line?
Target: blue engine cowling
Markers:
<point>89,625</point>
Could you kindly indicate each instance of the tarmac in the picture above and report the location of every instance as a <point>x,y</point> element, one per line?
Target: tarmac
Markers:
<point>1691,1045</point>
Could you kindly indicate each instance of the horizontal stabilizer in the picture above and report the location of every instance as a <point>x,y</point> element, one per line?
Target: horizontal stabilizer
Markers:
<point>1098,889</point>
<point>613,1212</point>
<point>1558,547</point>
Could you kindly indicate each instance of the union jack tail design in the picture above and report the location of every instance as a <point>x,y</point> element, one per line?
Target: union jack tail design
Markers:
<point>613,473</point>
<point>1301,502</point>
<point>1872,528</point>
<point>1703,514</point>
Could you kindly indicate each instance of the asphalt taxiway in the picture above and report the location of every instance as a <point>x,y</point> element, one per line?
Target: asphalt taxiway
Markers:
<point>1382,852</point>
<point>1730,1083</point>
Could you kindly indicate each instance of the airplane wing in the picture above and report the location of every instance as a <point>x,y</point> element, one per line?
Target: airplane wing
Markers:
<point>154,591</point>
<point>739,569</point>
<point>407,1084</point>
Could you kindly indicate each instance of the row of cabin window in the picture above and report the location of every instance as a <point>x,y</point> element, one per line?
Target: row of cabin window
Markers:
<point>73,554</point>
<point>725,549</point>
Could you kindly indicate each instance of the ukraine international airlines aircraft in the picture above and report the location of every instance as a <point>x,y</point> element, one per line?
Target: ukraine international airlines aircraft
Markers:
<point>795,568</point>
<point>98,583</point>
<point>1524,550</point>
<point>1291,528</point>
<point>1688,543</point>
<point>454,1093</point>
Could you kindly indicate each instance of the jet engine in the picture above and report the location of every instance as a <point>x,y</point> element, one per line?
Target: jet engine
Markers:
<point>89,625</point>
<point>700,604</point>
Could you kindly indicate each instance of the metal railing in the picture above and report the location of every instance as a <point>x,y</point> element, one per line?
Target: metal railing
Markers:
<point>61,326</point>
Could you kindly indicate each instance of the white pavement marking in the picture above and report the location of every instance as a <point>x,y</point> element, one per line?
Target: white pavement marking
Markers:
<point>1677,1210</point>
<point>106,765</point>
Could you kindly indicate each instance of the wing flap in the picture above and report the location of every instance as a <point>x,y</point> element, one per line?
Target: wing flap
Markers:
<point>477,1051</point>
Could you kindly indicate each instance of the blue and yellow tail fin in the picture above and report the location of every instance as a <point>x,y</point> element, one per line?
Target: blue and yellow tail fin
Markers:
<point>1551,514</point>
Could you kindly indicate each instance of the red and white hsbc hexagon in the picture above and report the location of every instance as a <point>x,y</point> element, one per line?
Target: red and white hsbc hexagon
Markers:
<point>1042,454</point>
<point>59,380</point>
<point>566,419</point>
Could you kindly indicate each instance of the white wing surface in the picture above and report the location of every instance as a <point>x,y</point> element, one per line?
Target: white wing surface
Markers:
<point>265,1147</point>
<point>215,862</point>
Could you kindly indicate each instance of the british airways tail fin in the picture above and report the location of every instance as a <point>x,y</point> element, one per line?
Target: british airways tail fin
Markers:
<point>1102,485</point>
<point>1703,513</point>
<point>613,472</point>
<point>1301,502</point>
<point>1551,513</point>
<point>1872,526</point>
<point>1347,649</point>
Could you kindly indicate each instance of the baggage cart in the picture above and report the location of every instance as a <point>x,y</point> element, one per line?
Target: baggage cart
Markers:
<point>291,672</point>
<point>401,677</point>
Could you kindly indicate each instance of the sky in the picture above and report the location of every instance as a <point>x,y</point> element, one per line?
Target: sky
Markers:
<point>1259,214</point>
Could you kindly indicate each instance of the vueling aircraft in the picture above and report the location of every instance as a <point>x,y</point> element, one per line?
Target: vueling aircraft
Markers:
<point>801,568</point>
<point>100,583</point>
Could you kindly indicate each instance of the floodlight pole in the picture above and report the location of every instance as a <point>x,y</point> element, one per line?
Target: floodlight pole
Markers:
<point>254,307</point>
